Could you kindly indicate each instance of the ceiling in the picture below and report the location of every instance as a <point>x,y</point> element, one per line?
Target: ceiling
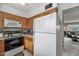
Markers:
<point>71,14</point>
<point>27,7</point>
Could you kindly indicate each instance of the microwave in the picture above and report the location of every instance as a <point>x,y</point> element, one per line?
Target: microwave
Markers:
<point>12,23</point>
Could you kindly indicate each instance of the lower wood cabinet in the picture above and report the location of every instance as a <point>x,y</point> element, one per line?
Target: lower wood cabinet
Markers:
<point>28,43</point>
<point>2,47</point>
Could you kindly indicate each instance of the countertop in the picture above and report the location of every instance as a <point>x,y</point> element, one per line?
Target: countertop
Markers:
<point>27,35</point>
<point>1,38</point>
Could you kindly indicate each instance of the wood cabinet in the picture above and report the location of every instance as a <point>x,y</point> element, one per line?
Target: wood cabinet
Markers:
<point>30,24</point>
<point>13,17</point>
<point>1,20</point>
<point>27,23</point>
<point>2,47</point>
<point>28,43</point>
<point>24,23</point>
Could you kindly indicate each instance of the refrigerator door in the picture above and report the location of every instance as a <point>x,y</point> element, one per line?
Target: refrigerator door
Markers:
<point>45,24</point>
<point>44,44</point>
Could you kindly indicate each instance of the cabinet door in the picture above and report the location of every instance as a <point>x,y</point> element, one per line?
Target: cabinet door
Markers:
<point>25,42</point>
<point>1,23</point>
<point>23,23</point>
<point>1,20</point>
<point>28,43</point>
<point>1,47</point>
<point>30,23</point>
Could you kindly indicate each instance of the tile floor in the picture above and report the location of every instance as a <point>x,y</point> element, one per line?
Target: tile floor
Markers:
<point>70,48</point>
<point>27,53</point>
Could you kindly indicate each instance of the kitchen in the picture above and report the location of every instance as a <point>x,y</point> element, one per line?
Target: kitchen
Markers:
<point>21,29</point>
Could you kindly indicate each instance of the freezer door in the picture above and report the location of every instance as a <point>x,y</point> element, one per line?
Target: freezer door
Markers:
<point>45,24</point>
<point>44,44</point>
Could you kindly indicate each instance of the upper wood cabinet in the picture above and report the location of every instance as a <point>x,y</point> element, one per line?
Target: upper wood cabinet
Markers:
<point>13,17</point>
<point>30,24</point>
<point>1,23</point>
<point>1,20</point>
<point>24,23</point>
<point>27,23</point>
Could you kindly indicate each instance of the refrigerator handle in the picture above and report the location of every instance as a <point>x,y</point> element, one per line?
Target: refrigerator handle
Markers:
<point>33,39</point>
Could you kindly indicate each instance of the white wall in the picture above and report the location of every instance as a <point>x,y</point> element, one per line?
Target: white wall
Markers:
<point>72,21</point>
<point>73,26</point>
<point>11,10</point>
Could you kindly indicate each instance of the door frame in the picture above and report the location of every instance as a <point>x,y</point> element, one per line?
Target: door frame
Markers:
<point>62,26</point>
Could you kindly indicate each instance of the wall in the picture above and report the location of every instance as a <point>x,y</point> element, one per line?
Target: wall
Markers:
<point>11,10</point>
<point>61,8</point>
<point>72,21</point>
<point>73,26</point>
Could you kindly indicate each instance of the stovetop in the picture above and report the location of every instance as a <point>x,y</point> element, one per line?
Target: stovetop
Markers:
<point>9,38</point>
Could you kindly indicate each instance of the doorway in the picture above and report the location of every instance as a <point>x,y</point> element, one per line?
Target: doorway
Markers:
<point>70,43</point>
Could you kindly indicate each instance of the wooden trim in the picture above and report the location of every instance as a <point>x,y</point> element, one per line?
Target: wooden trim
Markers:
<point>44,13</point>
<point>6,13</point>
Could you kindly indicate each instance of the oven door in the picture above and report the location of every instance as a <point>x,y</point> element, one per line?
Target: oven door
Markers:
<point>13,43</point>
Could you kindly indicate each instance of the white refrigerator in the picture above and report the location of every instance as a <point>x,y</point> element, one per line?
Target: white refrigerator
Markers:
<point>44,37</point>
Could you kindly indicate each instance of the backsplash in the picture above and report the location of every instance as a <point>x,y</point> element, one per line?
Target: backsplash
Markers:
<point>11,31</point>
<point>30,32</point>
<point>1,32</point>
